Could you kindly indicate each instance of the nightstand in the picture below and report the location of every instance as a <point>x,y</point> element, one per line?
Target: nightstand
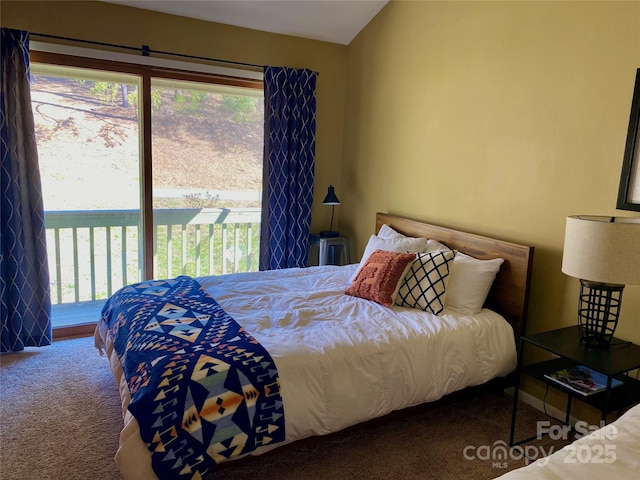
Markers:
<point>614,361</point>
<point>331,250</point>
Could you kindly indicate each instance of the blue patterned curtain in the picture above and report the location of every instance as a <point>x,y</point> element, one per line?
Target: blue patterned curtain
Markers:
<point>289,160</point>
<point>25,305</point>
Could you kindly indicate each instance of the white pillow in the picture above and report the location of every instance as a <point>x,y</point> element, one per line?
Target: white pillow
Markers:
<point>469,283</point>
<point>387,232</point>
<point>425,283</point>
<point>398,244</point>
<point>434,246</point>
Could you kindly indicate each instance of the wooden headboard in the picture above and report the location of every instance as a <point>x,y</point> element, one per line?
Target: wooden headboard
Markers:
<point>509,294</point>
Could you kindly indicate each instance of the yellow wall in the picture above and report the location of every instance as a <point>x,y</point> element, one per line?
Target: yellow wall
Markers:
<point>501,118</point>
<point>116,24</point>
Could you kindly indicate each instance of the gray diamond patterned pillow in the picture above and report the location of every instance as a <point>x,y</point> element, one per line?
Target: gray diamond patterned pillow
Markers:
<point>425,284</point>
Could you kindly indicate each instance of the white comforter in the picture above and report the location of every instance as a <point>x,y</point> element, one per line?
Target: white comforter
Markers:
<point>342,360</point>
<point>612,452</point>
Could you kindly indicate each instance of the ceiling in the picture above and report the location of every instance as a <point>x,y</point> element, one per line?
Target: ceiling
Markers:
<point>336,21</point>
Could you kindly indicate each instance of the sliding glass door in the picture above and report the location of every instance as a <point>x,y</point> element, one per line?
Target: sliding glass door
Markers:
<point>146,173</point>
<point>88,136</point>
<point>207,142</point>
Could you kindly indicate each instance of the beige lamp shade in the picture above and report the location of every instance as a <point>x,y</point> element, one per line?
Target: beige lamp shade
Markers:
<point>602,249</point>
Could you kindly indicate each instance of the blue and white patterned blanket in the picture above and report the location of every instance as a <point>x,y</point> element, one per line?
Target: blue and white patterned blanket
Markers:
<point>202,389</point>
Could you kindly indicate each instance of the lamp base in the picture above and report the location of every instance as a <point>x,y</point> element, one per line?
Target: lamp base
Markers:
<point>598,311</point>
<point>329,234</point>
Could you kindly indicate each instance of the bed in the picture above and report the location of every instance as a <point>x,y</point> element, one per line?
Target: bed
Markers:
<point>337,359</point>
<point>612,451</point>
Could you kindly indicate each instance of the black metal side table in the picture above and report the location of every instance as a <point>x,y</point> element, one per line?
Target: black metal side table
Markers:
<point>614,362</point>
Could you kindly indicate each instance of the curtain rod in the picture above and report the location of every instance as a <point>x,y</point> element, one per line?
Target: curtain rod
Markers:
<point>145,50</point>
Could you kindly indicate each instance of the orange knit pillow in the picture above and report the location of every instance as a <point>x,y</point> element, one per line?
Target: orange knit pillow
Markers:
<point>378,279</point>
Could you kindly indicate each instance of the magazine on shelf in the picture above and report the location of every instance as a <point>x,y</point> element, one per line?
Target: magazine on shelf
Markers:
<point>582,380</point>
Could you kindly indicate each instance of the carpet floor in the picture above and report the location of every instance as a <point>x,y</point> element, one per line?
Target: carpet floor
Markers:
<point>60,418</point>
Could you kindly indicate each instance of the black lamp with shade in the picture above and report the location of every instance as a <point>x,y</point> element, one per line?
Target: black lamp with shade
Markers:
<point>604,253</point>
<point>330,199</point>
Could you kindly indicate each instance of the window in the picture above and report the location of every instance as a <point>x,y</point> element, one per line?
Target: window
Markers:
<point>207,146</point>
<point>146,173</point>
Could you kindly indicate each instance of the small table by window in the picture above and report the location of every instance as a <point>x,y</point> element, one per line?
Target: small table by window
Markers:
<point>331,250</point>
<point>613,362</point>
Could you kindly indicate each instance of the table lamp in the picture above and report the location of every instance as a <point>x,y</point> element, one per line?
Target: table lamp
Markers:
<point>332,200</point>
<point>604,253</point>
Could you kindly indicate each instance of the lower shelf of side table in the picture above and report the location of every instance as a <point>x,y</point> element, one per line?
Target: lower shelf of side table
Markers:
<point>622,396</point>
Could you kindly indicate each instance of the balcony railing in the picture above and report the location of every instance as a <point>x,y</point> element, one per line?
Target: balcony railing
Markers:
<point>94,253</point>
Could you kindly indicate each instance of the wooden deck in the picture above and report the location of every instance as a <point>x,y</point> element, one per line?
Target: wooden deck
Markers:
<point>72,314</point>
